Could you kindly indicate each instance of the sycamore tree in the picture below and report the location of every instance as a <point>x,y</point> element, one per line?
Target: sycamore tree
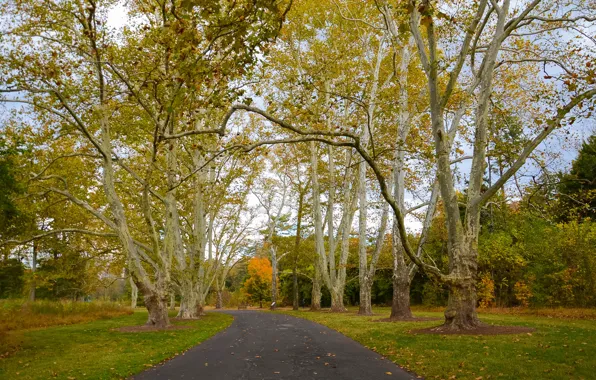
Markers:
<point>302,75</point>
<point>121,99</point>
<point>465,65</point>
<point>496,35</point>
<point>296,158</point>
<point>345,71</point>
<point>272,195</point>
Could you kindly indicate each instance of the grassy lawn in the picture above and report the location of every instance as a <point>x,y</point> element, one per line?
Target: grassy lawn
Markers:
<point>558,349</point>
<point>94,351</point>
<point>19,314</point>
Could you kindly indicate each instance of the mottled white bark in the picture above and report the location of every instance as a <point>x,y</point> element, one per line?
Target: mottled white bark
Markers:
<point>134,294</point>
<point>334,278</point>
<point>366,271</point>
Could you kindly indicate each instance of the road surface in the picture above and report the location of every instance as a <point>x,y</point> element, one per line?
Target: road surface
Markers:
<point>276,346</point>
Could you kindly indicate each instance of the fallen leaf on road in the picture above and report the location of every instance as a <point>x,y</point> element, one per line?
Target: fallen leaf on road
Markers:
<point>388,373</point>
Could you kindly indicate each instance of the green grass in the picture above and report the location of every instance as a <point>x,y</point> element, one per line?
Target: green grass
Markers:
<point>95,351</point>
<point>558,349</point>
<point>19,314</point>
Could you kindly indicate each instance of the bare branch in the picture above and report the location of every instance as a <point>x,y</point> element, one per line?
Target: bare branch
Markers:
<point>551,125</point>
<point>56,232</point>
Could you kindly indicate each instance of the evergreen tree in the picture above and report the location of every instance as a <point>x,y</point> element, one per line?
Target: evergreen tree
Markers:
<point>577,189</point>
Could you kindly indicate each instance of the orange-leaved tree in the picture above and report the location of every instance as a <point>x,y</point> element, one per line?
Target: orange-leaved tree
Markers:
<point>258,283</point>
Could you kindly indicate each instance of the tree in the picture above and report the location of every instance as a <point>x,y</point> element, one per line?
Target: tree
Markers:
<point>273,206</point>
<point>11,278</point>
<point>364,100</point>
<point>577,189</point>
<point>492,25</point>
<point>493,36</point>
<point>9,187</point>
<point>258,284</point>
<point>94,90</point>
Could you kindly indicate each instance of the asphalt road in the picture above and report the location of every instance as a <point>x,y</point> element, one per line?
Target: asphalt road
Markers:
<point>276,346</point>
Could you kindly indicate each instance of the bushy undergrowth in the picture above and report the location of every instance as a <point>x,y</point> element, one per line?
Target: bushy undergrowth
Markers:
<point>19,314</point>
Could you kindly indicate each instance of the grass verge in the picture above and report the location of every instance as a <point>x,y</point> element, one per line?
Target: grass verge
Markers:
<point>558,349</point>
<point>19,314</point>
<point>95,350</point>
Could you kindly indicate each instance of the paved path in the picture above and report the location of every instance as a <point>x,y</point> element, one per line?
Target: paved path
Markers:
<point>276,346</point>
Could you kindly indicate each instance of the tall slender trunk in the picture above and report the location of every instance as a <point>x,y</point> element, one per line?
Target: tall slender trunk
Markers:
<point>172,301</point>
<point>191,273</point>
<point>295,300</point>
<point>33,269</point>
<point>155,293</point>
<point>366,275</point>
<point>134,294</point>
<point>315,303</point>
<point>366,281</point>
<point>219,299</point>
<point>273,278</point>
<point>365,305</point>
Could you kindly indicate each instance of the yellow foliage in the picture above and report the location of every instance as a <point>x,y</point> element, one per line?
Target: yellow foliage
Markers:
<point>486,291</point>
<point>523,293</point>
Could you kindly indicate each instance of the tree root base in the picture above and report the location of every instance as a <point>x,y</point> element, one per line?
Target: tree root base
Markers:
<point>408,319</point>
<point>149,328</point>
<point>482,329</point>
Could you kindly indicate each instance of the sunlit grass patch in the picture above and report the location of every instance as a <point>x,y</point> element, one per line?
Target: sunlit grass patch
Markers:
<point>96,350</point>
<point>18,314</point>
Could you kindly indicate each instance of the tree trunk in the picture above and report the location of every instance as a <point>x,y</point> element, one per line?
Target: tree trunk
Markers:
<point>188,302</point>
<point>400,305</point>
<point>365,307</point>
<point>33,269</point>
<point>273,278</point>
<point>315,304</point>
<point>219,299</point>
<point>157,306</point>
<point>337,301</point>
<point>295,304</point>
<point>461,306</point>
<point>295,301</point>
<point>172,301</point>
<point>201,305</point>
<point>134,294</point>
